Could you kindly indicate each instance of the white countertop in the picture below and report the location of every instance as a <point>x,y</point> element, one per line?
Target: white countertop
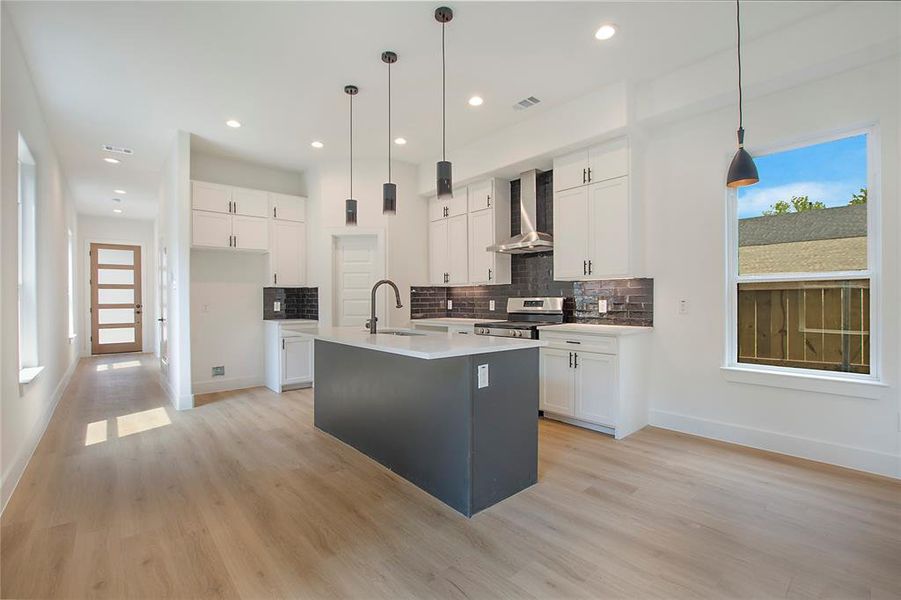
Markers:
<point>453,321</point>
<point>292,321</point>
<point>591,329</point>
<point>428,346</point>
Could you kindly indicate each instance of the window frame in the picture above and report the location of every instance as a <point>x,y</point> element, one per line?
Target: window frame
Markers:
<point>858,384</point>
<point>27,266</point>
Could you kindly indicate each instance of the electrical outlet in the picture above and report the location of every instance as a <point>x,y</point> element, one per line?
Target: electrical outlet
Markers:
<point>602,306</point>
<point>683,307</point>
<point>483,376</point>
<point>205,308</point>
<point>276,306</point>
<point>450,305</point>
<point>491,305</point>
<point>219,371</point>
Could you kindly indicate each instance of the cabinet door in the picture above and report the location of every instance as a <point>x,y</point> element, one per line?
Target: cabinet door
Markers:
<point>436,209</point>
<point>210,197</point>
<point>251,233</point>
<point>211,229</point>
<point>608,218</point>
<point>597,391</point>
<point>457,249</point>
<point>556,377</point>
<point>608,161</point>
<point>459,204</point>
<point>481,235</point>
<point>287,252</point>
<point>480,195</point>
<point>250,203</point>
<point>571,233</point>
<point>571,171</point>
<point>297,360</point>
<point>438,244</point>
<point>287,208</point>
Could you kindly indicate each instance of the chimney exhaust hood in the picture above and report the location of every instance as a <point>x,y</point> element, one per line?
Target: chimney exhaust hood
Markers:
<point>530,241</point>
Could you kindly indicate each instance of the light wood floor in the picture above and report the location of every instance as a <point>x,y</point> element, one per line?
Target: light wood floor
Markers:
<point>243,497</point>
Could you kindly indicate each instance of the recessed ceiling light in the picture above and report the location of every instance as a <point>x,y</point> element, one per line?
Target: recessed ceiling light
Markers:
<point>117,199</point>
<point>476,101</point>
<point>119,192</point>
<point>400,141</point>
<point>605,32</point>
<point>233,123</point>
<point>117,210</point>
<point>317,144</point>
<point>112,161</point>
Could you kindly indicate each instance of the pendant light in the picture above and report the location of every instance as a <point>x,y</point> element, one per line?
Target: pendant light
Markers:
<point>350,205</point>
<point>742,171</point>
<point>389,190</point>
<point>444,180</point>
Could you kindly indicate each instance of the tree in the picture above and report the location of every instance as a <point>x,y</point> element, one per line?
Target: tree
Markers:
<point>796,204</point>
<point>858,198</point>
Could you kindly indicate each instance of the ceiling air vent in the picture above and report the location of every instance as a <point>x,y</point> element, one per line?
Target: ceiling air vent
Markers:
<point>526,103</point>
<point>117,150</point>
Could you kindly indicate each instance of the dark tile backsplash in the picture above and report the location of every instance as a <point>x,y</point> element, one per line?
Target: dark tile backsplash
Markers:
<point>297,303</point>
<point>629,301</point>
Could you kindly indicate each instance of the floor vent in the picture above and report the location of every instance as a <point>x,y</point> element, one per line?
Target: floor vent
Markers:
<point>526,103</point>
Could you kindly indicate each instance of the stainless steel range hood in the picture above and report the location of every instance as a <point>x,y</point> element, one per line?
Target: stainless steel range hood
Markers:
<point>530,241</point>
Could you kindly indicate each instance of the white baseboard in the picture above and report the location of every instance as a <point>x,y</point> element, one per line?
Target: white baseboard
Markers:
<point>184,402</point>
<point>861,459</point>
<point>226,384</point>
<point>17,468</point>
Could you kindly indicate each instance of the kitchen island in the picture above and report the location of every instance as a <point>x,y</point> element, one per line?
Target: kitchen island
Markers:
<point>455,415</point>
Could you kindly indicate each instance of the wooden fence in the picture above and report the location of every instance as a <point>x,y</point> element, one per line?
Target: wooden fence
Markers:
<point>808,324</point>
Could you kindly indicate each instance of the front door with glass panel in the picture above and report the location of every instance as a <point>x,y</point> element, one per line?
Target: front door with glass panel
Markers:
<point>115,298</point>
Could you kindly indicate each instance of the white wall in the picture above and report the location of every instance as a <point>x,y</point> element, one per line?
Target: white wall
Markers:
<point>174,231</point>
<point>684,227</point>
<point>405,234</point>
<point>26,410</point>
<point>227,286</point>
<point>114,230</point>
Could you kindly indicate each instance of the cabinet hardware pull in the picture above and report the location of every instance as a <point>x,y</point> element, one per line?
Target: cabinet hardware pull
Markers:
<point>489,200</point>
<point>589,267</point>
<point>283,343</point>
<point>584,267</point>
<point>589,174</point>
<point>577,359</point>
<point>583,176</point>
<point>570,360</point>
<point>236,241</point>
<point>274,212</point>
<point>236,207</point>
<point>572,342</point>
<point>275,278</point>
<point>489,274</point>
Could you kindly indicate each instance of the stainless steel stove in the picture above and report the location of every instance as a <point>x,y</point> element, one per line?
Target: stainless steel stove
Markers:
<point>524,316</point>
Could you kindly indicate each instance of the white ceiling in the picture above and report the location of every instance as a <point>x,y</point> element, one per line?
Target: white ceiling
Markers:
<point>131,73</point>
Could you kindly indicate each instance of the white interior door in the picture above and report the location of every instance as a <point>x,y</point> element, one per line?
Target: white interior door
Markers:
<point>163,296</point>
<point>356,270</point>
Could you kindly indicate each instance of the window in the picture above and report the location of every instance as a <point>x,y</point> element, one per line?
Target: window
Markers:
<point>71,284</point>
<point>28,330</point>
<point>801,269</point>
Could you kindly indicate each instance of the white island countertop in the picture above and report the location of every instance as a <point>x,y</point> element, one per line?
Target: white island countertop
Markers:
<point>423,345</point>
<point>452,321</point>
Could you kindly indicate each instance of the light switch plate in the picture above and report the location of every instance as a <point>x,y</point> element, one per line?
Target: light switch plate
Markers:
<point>491,305</point>
<point>602,306</point>
<point>276,306</point>
<point>683,307</point>
<point>483,376</point>
<point>450,304</point>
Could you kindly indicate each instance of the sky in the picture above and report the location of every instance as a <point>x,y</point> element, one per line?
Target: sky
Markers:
<point>829,172</point>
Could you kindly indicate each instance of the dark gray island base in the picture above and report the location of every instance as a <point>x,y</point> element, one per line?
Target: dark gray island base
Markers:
<point>428,421</point>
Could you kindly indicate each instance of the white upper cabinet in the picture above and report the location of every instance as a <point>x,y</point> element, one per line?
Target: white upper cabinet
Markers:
<point>480,195</point>
<point>211,229</point>
<point>250,233</point>
<point>457,248</point>
<point>438,252</point>
<point>594,236</point>
<point>250,203</point>
<point>211,197</point>
<point>287,251</point>
<point>481,235</point>
<point>284,207</point>
<point>459,204</point>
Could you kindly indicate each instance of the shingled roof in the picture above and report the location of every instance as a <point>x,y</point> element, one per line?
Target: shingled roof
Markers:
<point>820,224</point>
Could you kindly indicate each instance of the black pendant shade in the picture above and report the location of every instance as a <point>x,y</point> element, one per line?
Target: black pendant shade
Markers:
<point>742,170</point>
<point>389,190</point>
<point>444,181</point>
<point>350,205</point>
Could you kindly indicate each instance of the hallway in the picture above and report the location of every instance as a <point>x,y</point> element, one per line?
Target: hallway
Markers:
<point>126,497</point>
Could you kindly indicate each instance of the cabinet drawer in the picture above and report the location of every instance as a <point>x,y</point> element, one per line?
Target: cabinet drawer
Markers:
<point>585,343</point>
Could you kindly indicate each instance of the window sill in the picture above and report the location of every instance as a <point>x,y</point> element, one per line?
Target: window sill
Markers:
<point>838,385</point>
<point>28,374</point>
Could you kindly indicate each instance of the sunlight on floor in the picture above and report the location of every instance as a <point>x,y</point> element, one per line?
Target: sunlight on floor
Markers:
<point>121,365</point>
<point>95,433</point>
<point>142,421</point>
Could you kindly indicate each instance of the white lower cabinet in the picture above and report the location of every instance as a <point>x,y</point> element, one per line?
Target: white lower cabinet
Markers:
<point>289,355</point>
<point>594,381</point>
<point>297,360</point>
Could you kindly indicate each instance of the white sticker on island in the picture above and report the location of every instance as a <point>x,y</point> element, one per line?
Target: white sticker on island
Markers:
<point>483,376</point>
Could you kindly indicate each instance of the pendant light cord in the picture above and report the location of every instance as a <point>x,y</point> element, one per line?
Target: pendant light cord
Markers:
<point>738,26</point>
<point>351,146</point>
<point>443,100</point>
<point>389,122</point>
